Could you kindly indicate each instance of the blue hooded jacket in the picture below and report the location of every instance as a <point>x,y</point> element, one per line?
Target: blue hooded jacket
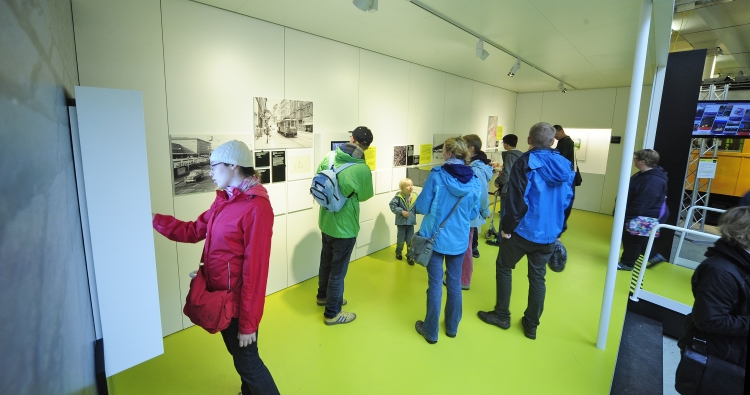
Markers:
<point>484,175</point>
<point>539,191</point>
<point>440,193</point>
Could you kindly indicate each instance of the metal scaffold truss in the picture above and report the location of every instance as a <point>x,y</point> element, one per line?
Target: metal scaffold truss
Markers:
<point>696,191</point>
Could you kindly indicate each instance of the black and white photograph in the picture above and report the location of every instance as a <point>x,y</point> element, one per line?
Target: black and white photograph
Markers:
<point>282,123</point>
<point>190,160</point>
<point>399,155</point>
<point>416,159</point>
<point>409,155</point>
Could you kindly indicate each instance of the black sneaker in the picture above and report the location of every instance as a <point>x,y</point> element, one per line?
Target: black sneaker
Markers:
<point>620,266</point>
<point>655,260</point>
<point>490,317</point>
<point>475,253</point>
<point>398,256</point>
<point>419,326</point>
<point>528,331</point>
<point>410,261</point>
<point>493,242</point>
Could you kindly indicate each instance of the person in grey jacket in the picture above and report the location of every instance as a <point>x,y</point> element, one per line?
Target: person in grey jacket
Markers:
<point>510,156</point>
<point>406,215</point>
<point>480,165</point>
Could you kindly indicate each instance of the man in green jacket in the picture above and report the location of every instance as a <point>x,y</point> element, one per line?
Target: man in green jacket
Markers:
<point>340,229</point>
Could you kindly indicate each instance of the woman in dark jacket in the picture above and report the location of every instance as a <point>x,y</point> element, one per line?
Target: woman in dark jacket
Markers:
<point>646,195</point>
<point>721,312</point>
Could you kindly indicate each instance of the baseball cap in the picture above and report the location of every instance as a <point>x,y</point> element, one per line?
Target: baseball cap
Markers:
<point>362,134</point>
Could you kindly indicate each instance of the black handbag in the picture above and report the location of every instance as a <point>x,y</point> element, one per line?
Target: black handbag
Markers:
<point>699,373</point>
<point>420,247</point>
<point>577,180</point>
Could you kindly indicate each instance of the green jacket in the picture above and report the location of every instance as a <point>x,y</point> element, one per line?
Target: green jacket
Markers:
<point>356,179</point>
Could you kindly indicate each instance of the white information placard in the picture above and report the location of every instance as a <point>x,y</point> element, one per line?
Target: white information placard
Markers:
<point>706,168</point>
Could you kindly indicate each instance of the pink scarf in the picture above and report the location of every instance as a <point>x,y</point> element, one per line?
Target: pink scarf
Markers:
<point>246,184</point>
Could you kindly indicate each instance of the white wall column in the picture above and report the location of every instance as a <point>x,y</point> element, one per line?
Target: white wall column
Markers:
<point>636,87</point>
<point>654,107</point>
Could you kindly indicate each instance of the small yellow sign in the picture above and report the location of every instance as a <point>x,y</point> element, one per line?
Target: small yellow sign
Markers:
<point>371,156</point>
<point>425,154</point>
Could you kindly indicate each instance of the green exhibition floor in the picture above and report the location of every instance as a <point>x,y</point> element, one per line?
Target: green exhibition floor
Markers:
<point>380,352</point>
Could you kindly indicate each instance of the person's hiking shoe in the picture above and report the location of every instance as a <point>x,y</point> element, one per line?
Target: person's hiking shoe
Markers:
<point>343,317</point>
<point>620,266</point>
<point>410,261</point>
<point>493,242</point>
<point>475,253</point>
<point>490,317</point>
<point>398,256</point>
<point>465,287</point>
<point>528,331</point>
<point>655,260</point>
<point>419,326</point>
<point>322,302</point>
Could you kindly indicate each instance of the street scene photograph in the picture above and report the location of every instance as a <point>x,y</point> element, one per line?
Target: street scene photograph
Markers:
<point>282,123</point>
<point>190,160</point>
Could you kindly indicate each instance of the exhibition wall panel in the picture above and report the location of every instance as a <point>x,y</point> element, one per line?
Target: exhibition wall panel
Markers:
<point>505,109</point>
<point>119,45</point>
<point>528,113</point>
<point>327,73</point>
<point>582,109</point>
<point>303,245</point>
<point>427,97</point>
<point>215,62</point>
<point>384,102</point>
<point>457,113</point>
<point>483,106</point>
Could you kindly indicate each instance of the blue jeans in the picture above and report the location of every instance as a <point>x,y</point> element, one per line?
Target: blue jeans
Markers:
<point>511,251</point>
<point>334,261</point>
<point>435,294</point>
<point>404,234</point>
<point>256,379</point>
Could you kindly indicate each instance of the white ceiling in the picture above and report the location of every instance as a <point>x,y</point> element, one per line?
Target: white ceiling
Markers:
<point>725,25</point>
<point>586,43</point>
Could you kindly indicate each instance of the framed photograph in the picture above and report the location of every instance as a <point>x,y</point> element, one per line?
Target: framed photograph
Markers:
<point>282,123</point>
<point>190,160</point>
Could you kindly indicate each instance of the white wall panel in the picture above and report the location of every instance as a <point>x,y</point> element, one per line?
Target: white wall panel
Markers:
<point>215,63</point>
<point>119,45</point>
<point>399,174</point>
<point>383,101</point>
<point>277,194</point>
<point>482,107</point>
<point>583,109</point>
<point>298,196</point>
<point>457,114</point>
<point>383,180</point>
<point>365,233</point>
<point>528,113</point>
<point>589,193</point>
<point>122,243</point>
<point>303,245</point>
<point>326,72</point>
<point>505,107</point>
<point>426,105</point>
<point>278,268</point>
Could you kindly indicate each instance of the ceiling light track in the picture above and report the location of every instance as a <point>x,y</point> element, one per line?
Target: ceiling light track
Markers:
<point>479,36</point>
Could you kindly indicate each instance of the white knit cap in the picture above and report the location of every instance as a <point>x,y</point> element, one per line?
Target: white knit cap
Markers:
<point>234,153</point>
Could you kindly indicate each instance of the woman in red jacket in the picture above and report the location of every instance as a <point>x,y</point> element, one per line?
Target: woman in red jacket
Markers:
<point>237,230</point>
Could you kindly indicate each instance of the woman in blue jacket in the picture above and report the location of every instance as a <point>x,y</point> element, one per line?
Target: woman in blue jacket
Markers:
<point>441,192</point>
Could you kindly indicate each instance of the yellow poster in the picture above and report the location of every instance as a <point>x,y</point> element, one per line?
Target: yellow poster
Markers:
<point>370,155</point>
<point>425,154</point>
<point>499,134</point>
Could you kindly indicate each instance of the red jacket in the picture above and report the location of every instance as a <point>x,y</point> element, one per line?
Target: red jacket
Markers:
<point>238,239</point>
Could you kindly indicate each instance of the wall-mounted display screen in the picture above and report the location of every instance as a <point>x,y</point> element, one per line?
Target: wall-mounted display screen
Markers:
<point>722,118</point>
<point>336,144</point>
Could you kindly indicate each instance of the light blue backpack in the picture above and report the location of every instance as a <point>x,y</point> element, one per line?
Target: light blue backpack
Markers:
<point>325,186</point>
